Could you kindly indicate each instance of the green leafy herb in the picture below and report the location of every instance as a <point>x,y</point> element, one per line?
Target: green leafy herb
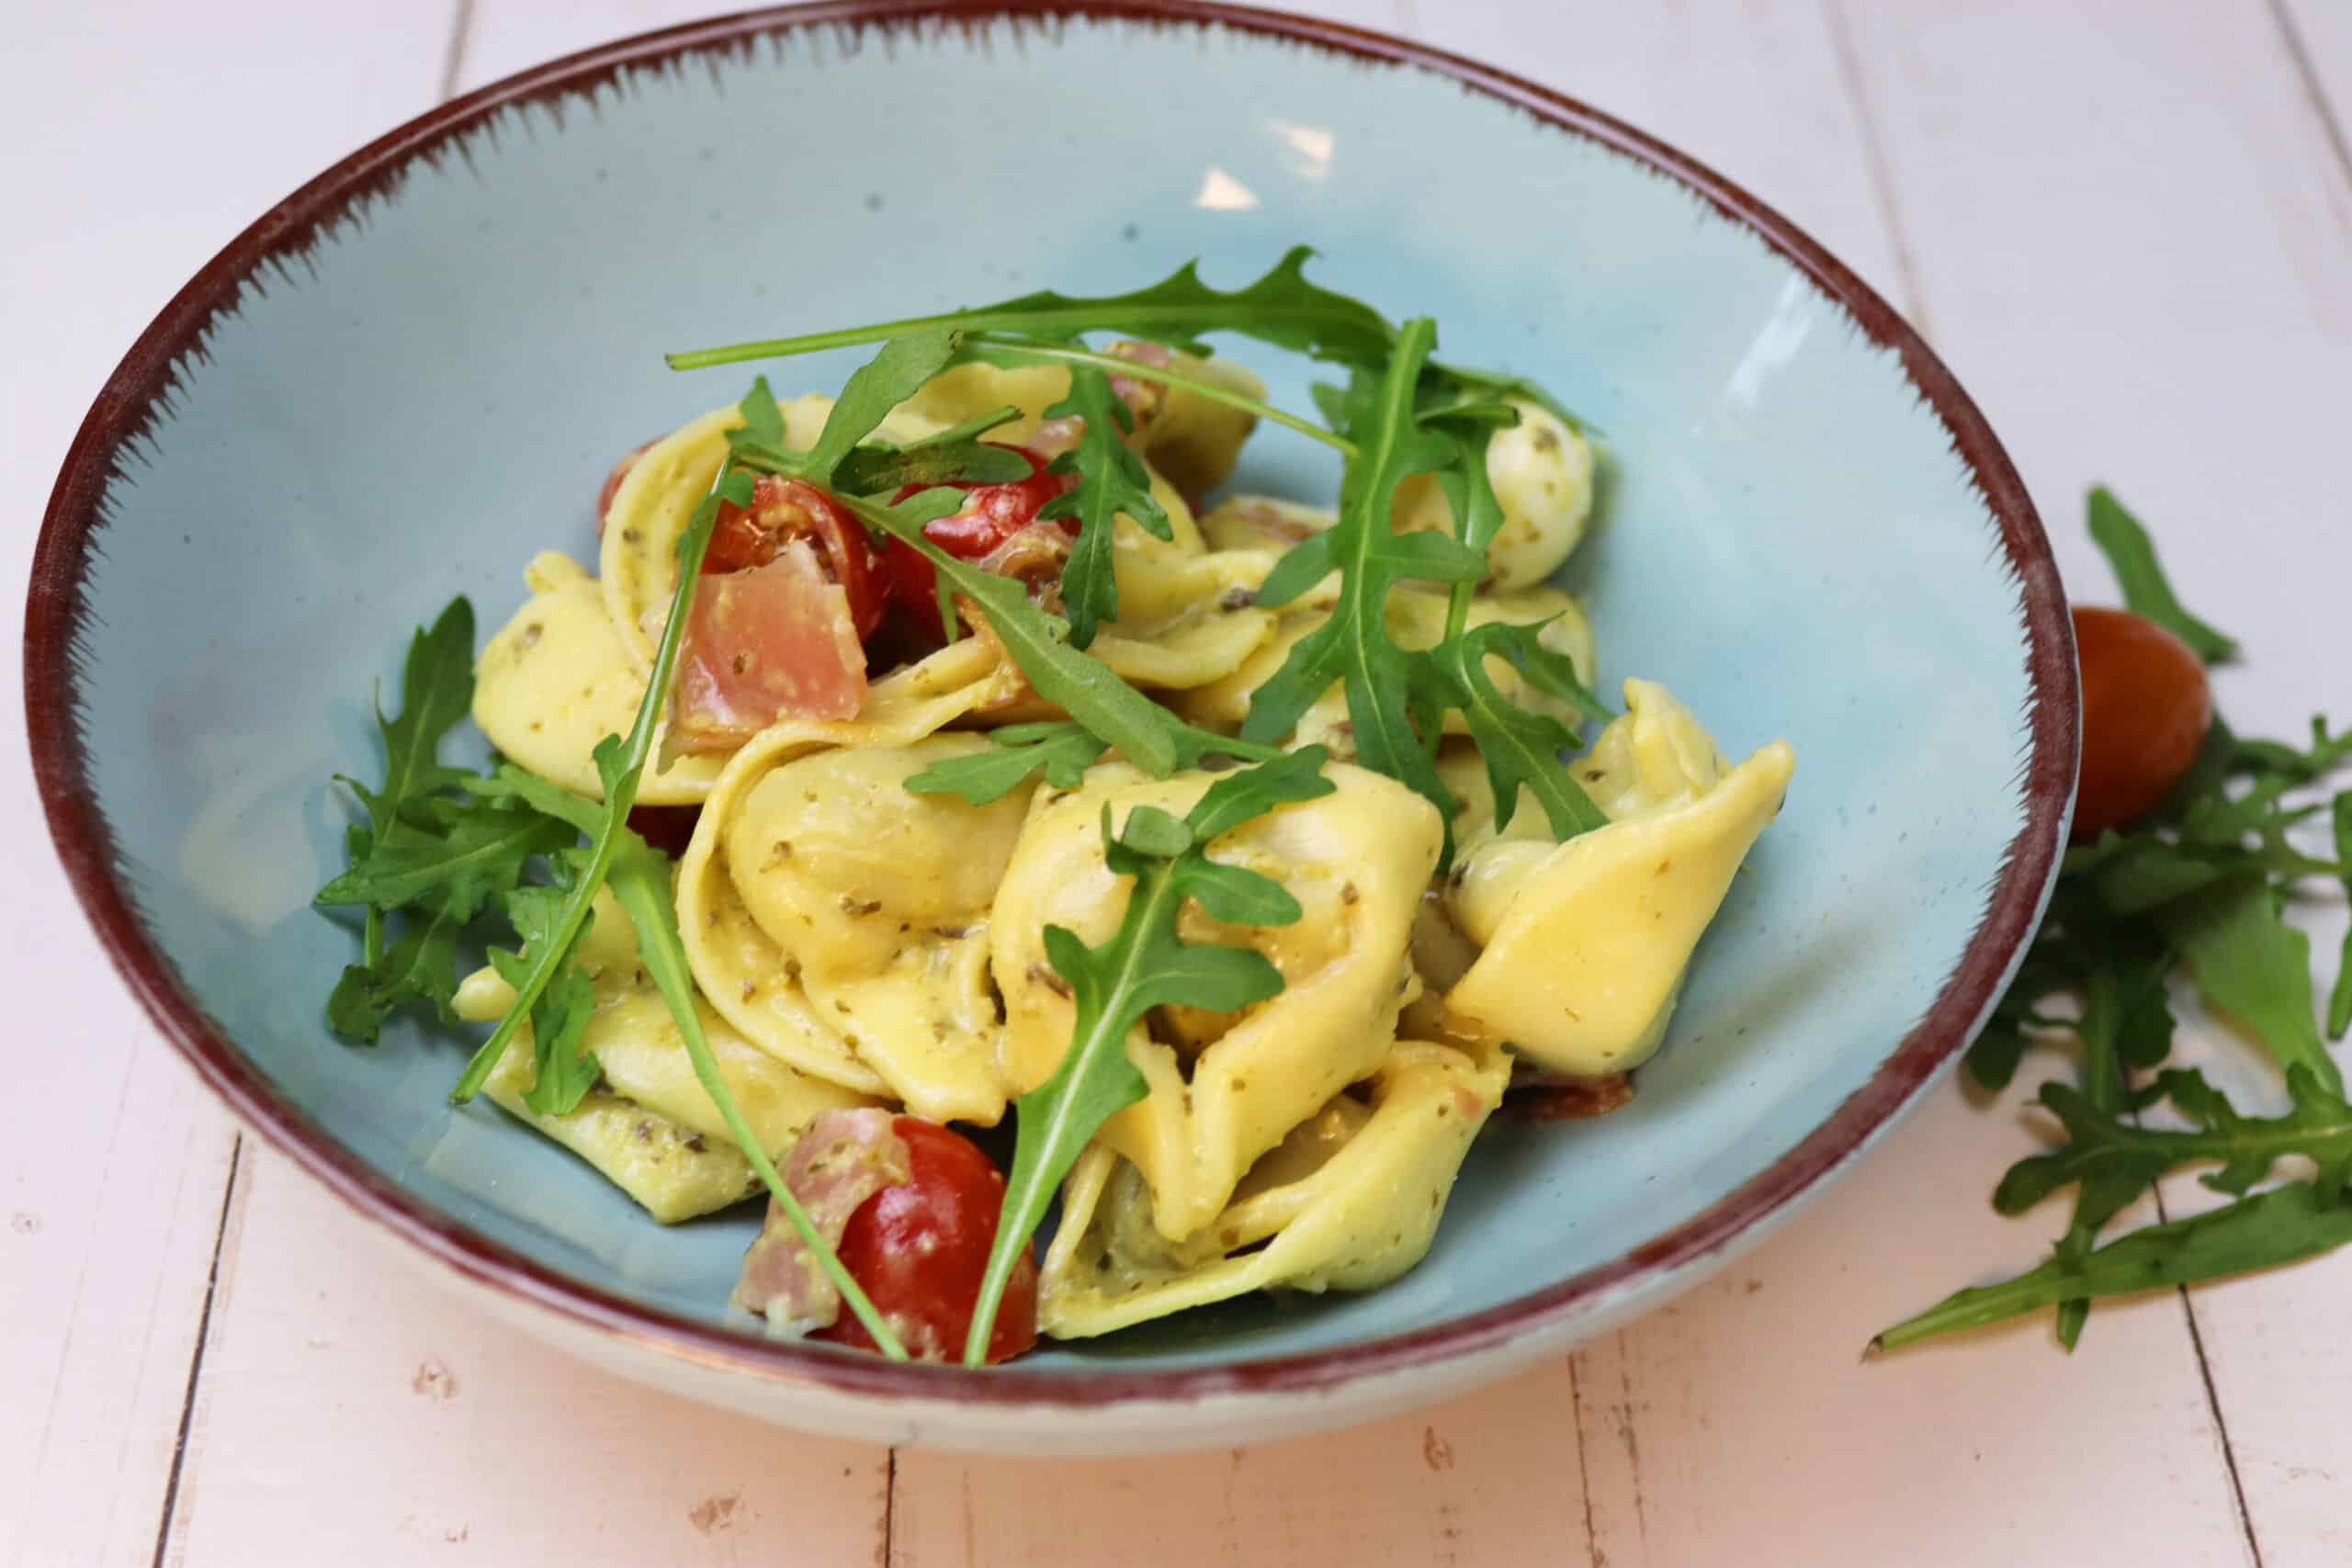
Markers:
<point>2249,964</point>
<point>1382,684</point>
<point>621,766</point>
<point>421,966</point>
<point>1110,479</point>
<point>1080,685</point>
<point>2132,554</point>
<point>1142,966</point>
<point>1063,751</point>
<point>1280,308</point>
<point>564,1073</point>
<point>2278,1226</point>
<point>2199,884</point>
<point>2339,1000</point>
<point>423,863</point>
<point>876,388</point>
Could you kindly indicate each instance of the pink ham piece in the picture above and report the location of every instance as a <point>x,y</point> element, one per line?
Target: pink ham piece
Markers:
<point>842,1159</point>
<point>763,644</point>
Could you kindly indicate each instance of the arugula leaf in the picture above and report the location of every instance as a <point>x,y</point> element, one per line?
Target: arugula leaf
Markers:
<point>1518,746</point>
<point>436,691</point>
<point>881,470</point>
<point>621,764</point>
<point>2298,766</point>
<point>480,855</point>
<point>872,390</point>
<point>421,966</point>
<point>2132,554</point>
<point>2251,964</point>
<point>565,1073</point>
<point>1280,307</point>
<point>1460,381</point>
<point>2339,1000</point>
<point>1383,686</point>
<point>2278,1226</point>
<point>1064,751</point>
<point>1112,479</point>
<point>1144,965</point>
<point>1073,680</point>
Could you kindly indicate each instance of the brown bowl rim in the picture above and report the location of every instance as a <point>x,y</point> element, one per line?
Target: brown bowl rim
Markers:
<point>56,611</point>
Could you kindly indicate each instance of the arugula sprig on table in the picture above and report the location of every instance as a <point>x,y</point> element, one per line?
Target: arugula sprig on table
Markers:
<point>2198,887</point>
<point>1143,965</point>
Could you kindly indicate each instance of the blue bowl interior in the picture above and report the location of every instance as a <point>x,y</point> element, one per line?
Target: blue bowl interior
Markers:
<point>412,407</point>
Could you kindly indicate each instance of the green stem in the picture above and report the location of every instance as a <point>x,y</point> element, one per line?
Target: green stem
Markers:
<point>619,795</point>
<point>1135,370</point>
<point>663,953</point>
<point>1053,1143</point>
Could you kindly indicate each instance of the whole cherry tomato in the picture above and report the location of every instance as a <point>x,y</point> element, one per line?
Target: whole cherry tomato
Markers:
<point>785,509</point>
<point>2146,705</point>
<point>992,514</point>
<point>918,1250</point>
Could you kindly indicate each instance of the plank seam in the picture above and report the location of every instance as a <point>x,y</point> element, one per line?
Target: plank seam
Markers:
<point>2213,1401</point>
<point>2314,89</point>
<point>196,1362</point>
<point>1594,1556</point>
<point>1882,177</point>
<point>890,1508</point>
<point>453,64</point>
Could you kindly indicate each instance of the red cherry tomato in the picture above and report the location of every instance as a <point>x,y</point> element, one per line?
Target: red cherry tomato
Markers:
<point>669,829</point>
<point>918,1250</point>
<point>992,514</point>
<point>2146,705</point>
<point>784,509</point>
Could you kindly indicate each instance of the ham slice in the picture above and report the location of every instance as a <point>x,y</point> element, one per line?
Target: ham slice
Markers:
<point>840,1160</point>
<point>766,643</point>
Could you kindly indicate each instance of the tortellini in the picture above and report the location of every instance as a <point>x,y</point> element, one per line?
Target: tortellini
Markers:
<point>1225,1089</point>
<point>558,679</point>
<point>1583,944</point>
<point>650,1126</point>
<point>1348,1200</point>
<point>838,920</point>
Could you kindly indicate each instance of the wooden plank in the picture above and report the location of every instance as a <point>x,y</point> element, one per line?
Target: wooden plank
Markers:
<point>117,1161</point>
<point>2318,36</point>
<point>2191,349</point>
<point>1489,1479</point>
<point>336,1369</point>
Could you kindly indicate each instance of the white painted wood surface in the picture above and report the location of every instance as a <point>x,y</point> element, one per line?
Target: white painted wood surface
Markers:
<point>2127,225</point>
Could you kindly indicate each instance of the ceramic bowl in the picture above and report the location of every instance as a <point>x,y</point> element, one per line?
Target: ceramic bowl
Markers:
<point>412,374</point>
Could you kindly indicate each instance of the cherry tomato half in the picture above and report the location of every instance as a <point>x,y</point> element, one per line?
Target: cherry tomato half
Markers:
<point>785,509</point>
<point>992,514</point>
<point>2146,705</point>
<point>918,1250</point>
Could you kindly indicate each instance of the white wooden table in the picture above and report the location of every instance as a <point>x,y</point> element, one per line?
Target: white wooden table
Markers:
<point>2128,227</point>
